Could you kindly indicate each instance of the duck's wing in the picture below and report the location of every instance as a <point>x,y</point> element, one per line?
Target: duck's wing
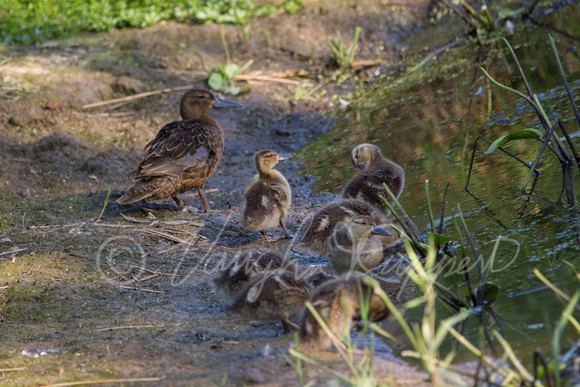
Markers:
<point>174,141</point>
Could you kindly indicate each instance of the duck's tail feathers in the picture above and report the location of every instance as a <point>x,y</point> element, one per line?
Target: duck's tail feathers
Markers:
<point>133,175</point>
<point>135,194</point>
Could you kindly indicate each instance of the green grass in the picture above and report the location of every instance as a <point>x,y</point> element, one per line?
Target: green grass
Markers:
<point>28,22</point>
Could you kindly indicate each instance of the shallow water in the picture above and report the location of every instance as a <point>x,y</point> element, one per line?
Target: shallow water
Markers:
<point>427,121</point>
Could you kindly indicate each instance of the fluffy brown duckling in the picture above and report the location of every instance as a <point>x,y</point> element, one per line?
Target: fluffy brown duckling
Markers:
<point>266,201</point>
<point>354,245</point>
<point>367,185</point>
<point>278,294</point>
<point>338,302</point>
<point>247,266</point>
<point>316,230</point>
<point>164,171</point>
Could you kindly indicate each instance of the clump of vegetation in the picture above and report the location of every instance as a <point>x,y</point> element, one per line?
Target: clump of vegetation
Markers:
<point>343,54</point>
<point>31,22</point>
<point>222,76</point>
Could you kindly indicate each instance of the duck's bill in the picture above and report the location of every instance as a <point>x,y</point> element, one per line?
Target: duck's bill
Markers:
<point>380,231</point>
<point>284,157</point>
<point>224,103</point>
<point>363,166</point>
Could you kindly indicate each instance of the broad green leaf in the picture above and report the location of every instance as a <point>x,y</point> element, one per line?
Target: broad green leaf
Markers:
<point>217,81</point>
<point>524,133</point>
<point>231,70</point>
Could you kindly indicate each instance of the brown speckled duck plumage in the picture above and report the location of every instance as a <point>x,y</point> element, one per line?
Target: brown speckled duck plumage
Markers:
<point>278,294</point>
<point>164,172</point>
<point>316,229</point>
<point>266,201</point>
<point>339,303</point>
<point>367,185</point>
<point>354,245</point>
<point>246,266</point>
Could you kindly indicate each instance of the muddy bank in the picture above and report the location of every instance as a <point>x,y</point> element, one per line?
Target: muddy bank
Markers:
<point>128,296</point>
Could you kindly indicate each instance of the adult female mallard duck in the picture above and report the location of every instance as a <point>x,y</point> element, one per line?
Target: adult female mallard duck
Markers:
<point>316,230</point>
<point>164,172</point>
<point>367,185</point>
<point>266,201</point>
<point>339,303</point>
<point>354,245</point>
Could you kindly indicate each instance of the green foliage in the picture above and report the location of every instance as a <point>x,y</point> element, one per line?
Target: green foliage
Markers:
<point>524,133</point>
<point>106,202</point>
<point>30,22</point>
<point>222,77</point>
<point>343,55</point>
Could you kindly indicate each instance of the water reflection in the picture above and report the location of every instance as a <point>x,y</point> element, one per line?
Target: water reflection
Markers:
<point>428,120</point>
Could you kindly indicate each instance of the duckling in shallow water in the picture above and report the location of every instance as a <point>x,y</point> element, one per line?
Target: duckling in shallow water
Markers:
<point>316,230</point>
<point>164,172</point>
<point>338,302</point>
<point>367,185</point>
<point>278,294</point>
<point>248,265</point>
<point>354,245</point>
<point>266,201</point>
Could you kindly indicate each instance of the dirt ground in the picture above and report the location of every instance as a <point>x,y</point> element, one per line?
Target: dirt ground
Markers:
<point>150,312</point>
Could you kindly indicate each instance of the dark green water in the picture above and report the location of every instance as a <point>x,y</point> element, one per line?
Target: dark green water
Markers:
<point>428,120</point>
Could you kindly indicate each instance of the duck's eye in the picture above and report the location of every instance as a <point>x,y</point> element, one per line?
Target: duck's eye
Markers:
<point>202,96</point>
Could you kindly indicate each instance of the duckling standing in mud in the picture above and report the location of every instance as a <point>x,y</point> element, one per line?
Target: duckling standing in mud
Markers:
<point>164,171</point>
<point>338,302</point>
<point>354,245</point>
<point>316,230</point>
<point>278,294</point>
<point>367,185</point>
<point>266,201</point>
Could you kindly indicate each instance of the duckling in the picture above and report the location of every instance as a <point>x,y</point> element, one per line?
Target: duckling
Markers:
<point>278,294</point>
<point>354,245</point>
<point>266,201</point>
<point>162,173</point>
<point>367,185</point>
<point>248,265</point>
<point>316,230</point>
<point>338,302</point>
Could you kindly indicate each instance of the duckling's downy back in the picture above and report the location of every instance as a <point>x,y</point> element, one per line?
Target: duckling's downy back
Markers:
<point>367,185</point>
<point>267,200</point>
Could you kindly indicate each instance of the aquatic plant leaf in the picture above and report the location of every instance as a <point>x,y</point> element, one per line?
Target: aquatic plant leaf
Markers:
<point>524,133</point>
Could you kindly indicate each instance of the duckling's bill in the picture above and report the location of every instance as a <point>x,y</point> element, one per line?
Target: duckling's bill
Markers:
<point>224,103</point>
<point>284,157</point>
<point>380,231</point>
